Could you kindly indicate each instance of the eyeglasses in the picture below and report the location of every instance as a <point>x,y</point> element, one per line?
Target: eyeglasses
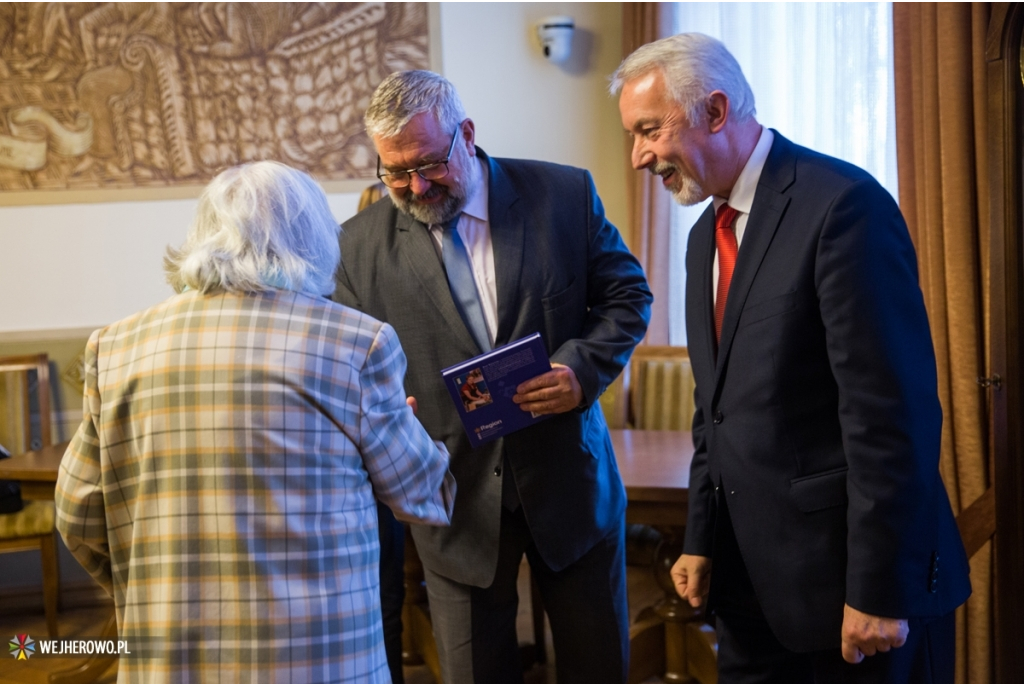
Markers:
<point>428,172</point>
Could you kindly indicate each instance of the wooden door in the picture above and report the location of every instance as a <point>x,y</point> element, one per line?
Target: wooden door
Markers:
<point>1005,63</point>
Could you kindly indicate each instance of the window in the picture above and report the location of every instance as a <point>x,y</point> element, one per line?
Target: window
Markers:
<point>822,75</point>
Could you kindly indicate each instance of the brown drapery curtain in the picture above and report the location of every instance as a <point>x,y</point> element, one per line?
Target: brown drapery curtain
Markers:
<point>650,205</point>
<point>943,180</point>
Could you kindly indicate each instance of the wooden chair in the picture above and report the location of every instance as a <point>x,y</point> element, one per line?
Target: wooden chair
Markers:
<point>660,388</point>
<point>32,527</point>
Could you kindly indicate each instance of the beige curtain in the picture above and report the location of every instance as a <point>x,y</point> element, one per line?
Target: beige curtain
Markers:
<point>943,180</point>
<point>650,205</point>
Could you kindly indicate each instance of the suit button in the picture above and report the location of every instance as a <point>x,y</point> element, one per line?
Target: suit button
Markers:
<point>497,471</point>
<point>717,418</point>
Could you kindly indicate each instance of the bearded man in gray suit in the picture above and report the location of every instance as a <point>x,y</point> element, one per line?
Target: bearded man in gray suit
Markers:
<point>532,242</point>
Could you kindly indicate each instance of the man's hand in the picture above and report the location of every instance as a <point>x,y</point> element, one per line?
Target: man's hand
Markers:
<point>692,577</point>
<point>411,401</point>
<point>554,392</point>
<point>864,634</point>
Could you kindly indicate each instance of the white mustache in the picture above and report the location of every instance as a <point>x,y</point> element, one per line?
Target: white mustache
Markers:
<point>663,169</point>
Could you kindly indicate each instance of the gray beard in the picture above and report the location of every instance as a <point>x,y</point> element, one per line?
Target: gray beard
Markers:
<point>689,192</point>
<point>440,213</point>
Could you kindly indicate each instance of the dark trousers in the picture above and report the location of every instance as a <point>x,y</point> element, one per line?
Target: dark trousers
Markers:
<point>748,651</point>
<point>475,628</point>
<point>392,587</point>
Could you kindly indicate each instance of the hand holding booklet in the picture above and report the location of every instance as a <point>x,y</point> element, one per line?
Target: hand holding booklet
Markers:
<point>482,388</point>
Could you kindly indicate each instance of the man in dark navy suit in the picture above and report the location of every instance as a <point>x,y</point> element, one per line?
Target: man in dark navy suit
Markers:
<point>815,489</point>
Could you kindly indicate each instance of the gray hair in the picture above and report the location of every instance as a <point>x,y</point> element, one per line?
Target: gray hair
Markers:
<point>259,226</point>
<point>693,65</point>
<point>404,94</point>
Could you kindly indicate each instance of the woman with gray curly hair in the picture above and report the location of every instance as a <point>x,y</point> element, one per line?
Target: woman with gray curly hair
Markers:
<point>221,485</point>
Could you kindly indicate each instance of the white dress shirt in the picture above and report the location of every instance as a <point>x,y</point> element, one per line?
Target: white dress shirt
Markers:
<point>742,197</point>
<point>474,228</point>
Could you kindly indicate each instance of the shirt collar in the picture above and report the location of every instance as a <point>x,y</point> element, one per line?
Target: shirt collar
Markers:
<point>476,206</point>
<point>742,196</point>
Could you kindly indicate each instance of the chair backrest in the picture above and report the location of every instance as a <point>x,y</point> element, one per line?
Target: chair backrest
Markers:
<point>16,390</point>
<point>660,388</point>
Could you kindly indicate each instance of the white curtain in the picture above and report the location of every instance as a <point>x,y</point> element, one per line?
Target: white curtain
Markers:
<point>822,75</point>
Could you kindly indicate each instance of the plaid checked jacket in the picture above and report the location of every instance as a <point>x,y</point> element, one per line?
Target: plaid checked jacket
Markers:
<point>221,486</point>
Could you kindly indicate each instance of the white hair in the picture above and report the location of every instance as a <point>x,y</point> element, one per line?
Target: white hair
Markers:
<point>259,226</point>
<point>694,65</point>
<point>404,94</point>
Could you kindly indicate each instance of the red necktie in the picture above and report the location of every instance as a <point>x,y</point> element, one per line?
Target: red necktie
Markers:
<point>725,241</point>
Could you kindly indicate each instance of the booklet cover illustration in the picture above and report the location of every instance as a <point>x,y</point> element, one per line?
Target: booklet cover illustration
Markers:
<point>482,388</point>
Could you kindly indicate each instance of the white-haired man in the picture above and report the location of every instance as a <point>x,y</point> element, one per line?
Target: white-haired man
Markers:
<point>814,488</point>
<point>473,252</point>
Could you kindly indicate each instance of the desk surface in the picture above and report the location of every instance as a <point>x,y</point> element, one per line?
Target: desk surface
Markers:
<point>655,465</point>
<point>39,466</point>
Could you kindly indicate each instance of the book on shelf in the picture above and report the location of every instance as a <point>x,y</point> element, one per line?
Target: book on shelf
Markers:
<point>482,388</point>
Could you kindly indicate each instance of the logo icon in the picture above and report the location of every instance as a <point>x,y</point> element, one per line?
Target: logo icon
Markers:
<point>22,647</point>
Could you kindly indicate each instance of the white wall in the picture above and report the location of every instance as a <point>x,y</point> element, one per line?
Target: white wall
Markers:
<point>72,266</point>
<point>86,265</point>
<point>526,107</point>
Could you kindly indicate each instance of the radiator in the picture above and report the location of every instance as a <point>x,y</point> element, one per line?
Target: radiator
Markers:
<point>662,394</point>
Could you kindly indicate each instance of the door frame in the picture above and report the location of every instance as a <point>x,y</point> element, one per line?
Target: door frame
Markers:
<point>1005,81</point>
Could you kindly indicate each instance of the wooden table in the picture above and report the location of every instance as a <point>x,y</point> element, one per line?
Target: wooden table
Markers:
<point>655,468</point>
<point>37,471</point>
<point>668,639</point>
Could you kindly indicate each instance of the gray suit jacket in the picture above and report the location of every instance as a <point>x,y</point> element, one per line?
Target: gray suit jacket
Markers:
<point>561,269</point>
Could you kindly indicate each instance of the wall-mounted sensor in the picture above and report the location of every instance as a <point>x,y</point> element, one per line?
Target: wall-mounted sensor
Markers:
<point>555,35</point>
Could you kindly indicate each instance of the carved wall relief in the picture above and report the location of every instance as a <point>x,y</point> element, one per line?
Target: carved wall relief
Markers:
<point>129,95</point>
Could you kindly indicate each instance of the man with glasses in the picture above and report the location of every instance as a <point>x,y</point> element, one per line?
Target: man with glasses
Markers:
<point>474,252</point>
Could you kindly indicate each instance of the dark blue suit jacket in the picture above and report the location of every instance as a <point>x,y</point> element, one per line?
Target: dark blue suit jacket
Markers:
<point>818,413</point>
<point>561,269</point>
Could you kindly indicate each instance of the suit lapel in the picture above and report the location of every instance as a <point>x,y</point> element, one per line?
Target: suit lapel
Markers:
<point>765,215</point>
<point>420,255</point>
<point>704,249</point>
<point>508,238</point>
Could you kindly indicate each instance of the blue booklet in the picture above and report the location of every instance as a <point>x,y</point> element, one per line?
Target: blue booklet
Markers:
<point>482,388</point>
